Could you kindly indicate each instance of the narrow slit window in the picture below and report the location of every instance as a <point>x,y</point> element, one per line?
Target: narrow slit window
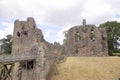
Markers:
<point>78,36</point>
<point>92,35</point>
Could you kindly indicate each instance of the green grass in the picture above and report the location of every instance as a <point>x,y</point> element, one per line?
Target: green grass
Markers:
<point>88,68</point>
<point>116,54</point>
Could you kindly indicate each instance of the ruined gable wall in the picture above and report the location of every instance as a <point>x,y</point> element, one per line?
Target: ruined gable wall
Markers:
<point>79,41</point>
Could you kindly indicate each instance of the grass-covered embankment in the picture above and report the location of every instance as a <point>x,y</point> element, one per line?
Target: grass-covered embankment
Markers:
<point>89,68</point>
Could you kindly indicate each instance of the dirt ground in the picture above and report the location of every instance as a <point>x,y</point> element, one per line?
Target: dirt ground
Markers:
<point>88,68</point>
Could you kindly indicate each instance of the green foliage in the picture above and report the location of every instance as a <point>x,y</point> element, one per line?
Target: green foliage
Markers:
<point>113,35</point>
<point>78,36</point>
<point>92,36</point>
<point>65,37</point>
<point>6,44</point>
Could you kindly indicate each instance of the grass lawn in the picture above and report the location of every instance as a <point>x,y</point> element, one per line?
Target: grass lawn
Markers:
<point>89,68</point>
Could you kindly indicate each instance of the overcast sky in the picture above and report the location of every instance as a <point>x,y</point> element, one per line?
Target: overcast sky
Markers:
<point>55,16</point>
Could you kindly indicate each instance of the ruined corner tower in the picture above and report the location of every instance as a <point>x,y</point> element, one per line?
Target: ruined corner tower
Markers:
<point>25,36</point>
<point>86,40</point>
<point>27,39</point>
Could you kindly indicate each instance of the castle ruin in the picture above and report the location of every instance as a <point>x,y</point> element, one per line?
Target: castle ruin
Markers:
<point>28,39</point>
<point>33,56</point>
<point>86,40</point>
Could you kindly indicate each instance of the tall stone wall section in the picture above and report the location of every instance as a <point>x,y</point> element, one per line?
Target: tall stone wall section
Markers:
<point>25,36</point>
<point>24,40</point>
<point>86,40</point>
<point>28,39</point>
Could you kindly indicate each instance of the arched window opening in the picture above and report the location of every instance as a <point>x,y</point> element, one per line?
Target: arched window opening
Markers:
<point>78,36</point>
<point>92,35</point>
<point>18,34</point>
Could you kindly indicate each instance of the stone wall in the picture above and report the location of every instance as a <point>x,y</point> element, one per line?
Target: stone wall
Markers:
<point>57,52</point>
<point>28,39</point>
<point>86,40</point>
<point>25,36</point>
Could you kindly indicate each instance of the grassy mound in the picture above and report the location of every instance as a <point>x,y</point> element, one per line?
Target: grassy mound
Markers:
<point>88,68</point>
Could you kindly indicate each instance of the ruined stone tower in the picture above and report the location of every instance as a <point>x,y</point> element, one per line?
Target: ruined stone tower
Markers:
<point>86,40</point>
<point>27,39</point>
<point>25,36</point>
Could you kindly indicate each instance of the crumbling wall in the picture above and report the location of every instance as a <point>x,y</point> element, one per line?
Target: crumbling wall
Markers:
<point>56,51</point>
<point>86,40</point>
<point>25,36</point>
<point>28,39</point>
<point>24,40</point>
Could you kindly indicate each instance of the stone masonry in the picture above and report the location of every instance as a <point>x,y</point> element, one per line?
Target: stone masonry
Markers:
<point>28,39</point>
<point>86,40</point>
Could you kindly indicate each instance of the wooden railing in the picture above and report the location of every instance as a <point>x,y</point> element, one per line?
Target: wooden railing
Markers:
<point>16,57</point>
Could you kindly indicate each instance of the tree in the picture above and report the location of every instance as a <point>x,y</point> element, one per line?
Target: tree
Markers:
<point>6,44</point>
<point>113,35</point>
<point>65,37</point>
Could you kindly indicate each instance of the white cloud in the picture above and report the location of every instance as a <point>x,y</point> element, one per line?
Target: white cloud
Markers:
<point>60,13</point>
<point>97,11</point>
<point>60,34</point>
<point>54,12</point>
<point>47,34</point>
<point>7,30</point>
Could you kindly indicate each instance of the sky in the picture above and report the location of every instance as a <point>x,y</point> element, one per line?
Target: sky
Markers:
<point>53,17</point>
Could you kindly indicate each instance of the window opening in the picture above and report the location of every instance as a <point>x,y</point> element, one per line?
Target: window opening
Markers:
<point>18,34</point>
<point>25,32</point>
<point>28,65</point>
<point>92,35</point>
<point>78,36</point>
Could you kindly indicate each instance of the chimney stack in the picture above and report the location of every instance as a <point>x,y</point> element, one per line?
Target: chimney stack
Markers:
<point>84,22</point>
